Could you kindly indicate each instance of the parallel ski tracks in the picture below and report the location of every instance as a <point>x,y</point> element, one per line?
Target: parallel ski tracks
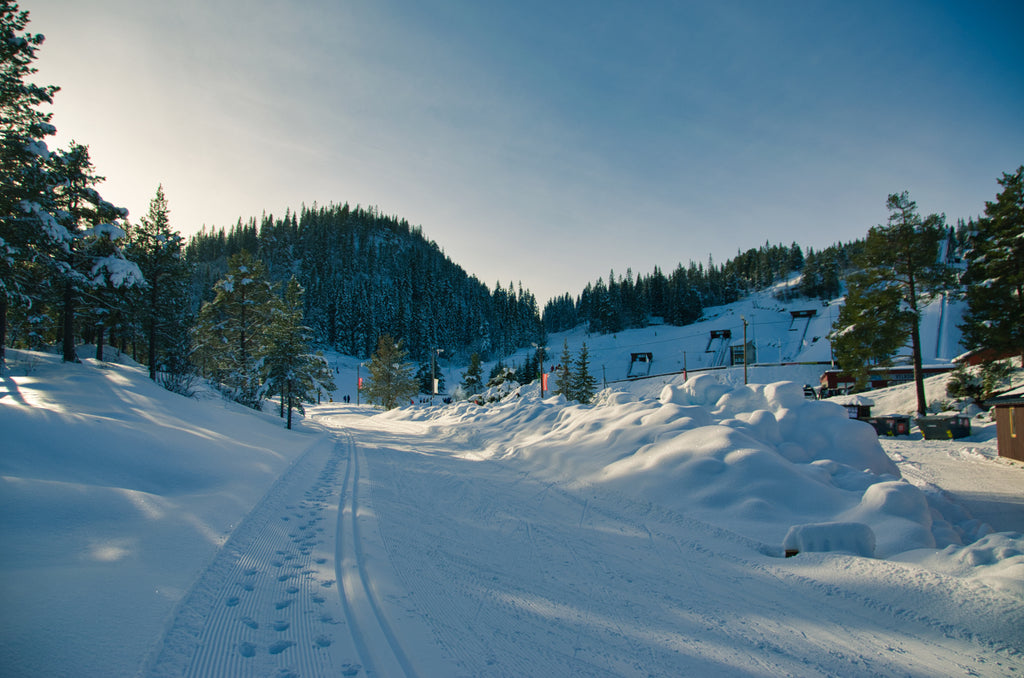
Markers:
<point>375,640</point>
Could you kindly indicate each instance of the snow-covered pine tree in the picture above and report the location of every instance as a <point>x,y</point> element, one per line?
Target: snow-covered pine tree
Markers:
<point>995,272</point>
<point>29,234</point>
<point>563,373</point>
<point>584,386</point>
<point>289,368</point>
<point>472,378</point>
<point>233,330</point>
<point>93,257</point>
<point>391,379</point>
<point>162,308</point>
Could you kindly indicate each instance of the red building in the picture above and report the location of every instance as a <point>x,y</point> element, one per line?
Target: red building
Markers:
<point>836,382</point>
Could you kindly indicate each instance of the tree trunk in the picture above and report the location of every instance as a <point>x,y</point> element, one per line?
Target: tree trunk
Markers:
<point>69,325</point>
<point>100,332</point>
<point>915,342</point>
<point>3,333</point>
<point>152,330</point>
<point>289,389</point>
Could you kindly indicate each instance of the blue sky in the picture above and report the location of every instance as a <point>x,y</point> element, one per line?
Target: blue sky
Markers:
<point>546,142</point>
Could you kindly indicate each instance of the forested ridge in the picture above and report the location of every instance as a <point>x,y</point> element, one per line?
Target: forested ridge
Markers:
<point>366,274</point>
<point>679,298</point>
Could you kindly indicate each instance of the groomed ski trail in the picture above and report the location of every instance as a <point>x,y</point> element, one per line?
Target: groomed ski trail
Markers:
<point>378,645</point>
<point>267,605</point>
<point>295,590</point>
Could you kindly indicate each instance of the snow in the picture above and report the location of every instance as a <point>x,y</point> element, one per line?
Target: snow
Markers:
<point>644,534</point>
<point>120,272</point>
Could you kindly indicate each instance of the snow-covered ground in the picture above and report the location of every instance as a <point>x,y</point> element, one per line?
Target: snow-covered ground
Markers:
<point>146,533</point>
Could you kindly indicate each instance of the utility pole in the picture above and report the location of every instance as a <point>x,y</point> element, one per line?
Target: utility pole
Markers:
<point>744,319</point>
<point>433,378</point>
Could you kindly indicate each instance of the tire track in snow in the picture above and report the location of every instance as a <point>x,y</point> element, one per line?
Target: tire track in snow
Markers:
<point>376,642</point>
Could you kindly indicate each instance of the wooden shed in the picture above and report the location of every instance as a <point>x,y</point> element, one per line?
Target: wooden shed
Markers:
<point>1009,411</point>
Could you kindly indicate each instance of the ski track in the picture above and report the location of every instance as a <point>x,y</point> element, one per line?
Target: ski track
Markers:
<point>378,645</point>
<point>267,605</point>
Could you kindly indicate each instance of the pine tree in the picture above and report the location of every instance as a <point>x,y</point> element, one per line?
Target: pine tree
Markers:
<point>584,386</point>
<point>29,233</point>
<point>232,333</point>
<point>391,375</point>
<point>93,257</point>
<point>901,272</point>
<point>563,373</point>
<point>163,305</point>
<point>870,327</point>
<point>472,378</point>
<point>995,272</point>
<point>289,368</point>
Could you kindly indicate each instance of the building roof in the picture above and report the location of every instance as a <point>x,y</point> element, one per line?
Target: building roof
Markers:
<point>1014,396</point>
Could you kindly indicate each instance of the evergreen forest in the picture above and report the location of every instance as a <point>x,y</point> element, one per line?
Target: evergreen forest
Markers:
<point>365,275</point>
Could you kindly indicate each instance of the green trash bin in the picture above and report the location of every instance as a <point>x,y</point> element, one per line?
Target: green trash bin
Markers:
<point>891,424</point>
<point>944,427</point>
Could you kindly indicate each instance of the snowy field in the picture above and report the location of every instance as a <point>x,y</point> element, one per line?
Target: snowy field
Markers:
<point>149,534</point>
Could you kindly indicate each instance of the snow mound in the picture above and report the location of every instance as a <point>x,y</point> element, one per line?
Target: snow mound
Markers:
<point>759,457</point>
<point>900,515</point>
<point>996,560</point>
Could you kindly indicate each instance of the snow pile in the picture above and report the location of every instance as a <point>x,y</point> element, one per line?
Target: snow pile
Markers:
<point>114,494</point>
<point>759,459</point>
<point>995,559</point>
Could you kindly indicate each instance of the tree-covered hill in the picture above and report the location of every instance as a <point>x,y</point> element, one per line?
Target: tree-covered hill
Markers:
<point>366,274</point>
<point>680,297</point>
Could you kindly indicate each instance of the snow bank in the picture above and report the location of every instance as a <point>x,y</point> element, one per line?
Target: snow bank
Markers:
<point>114,493</point>
<point>996,560</point>
<point>759,459</point>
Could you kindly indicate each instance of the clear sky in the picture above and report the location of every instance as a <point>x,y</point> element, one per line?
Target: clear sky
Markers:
<point>541,141</point>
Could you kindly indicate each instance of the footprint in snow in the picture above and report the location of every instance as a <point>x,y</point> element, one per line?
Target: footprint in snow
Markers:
<point>281,625</point>
<point>281,604</point>
<point>250,622</point>
<point>232,601</point>
<point>280,646</point>
<point>247,649</point>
